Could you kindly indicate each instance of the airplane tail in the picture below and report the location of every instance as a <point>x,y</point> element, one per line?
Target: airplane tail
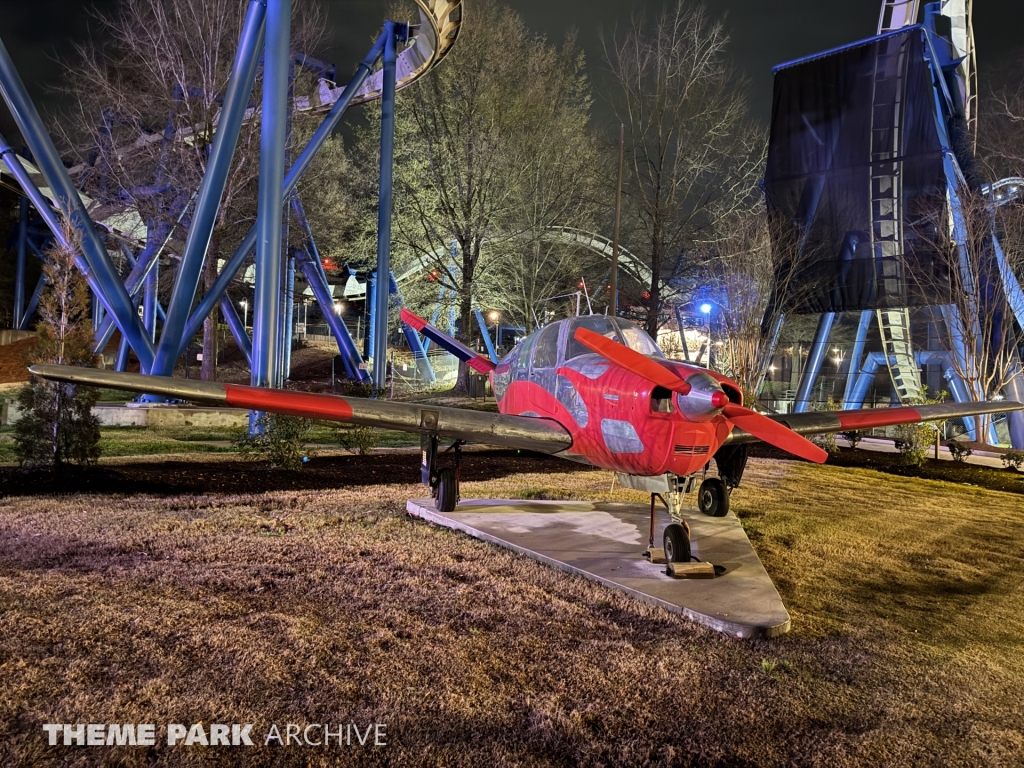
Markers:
<point>475,361</point>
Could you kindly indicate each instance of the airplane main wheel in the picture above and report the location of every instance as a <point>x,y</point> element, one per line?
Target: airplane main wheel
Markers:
<point>447,490</point>
<point>713,497</point>
<point>677,544</point>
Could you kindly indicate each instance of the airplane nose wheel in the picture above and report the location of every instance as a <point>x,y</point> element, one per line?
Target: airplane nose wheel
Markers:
<point>713,497</point>
<point>677,544</point>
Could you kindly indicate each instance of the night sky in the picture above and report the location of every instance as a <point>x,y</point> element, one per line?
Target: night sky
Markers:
<point>764,32</point>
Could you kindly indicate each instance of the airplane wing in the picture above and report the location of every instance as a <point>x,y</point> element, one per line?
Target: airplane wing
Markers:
<point>533,434</point>
<point>822,422</point>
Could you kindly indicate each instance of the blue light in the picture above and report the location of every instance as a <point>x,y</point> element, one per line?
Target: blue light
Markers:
<point>705,308</point>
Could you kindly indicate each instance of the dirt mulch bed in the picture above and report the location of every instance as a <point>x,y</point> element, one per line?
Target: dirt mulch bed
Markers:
<point>949,471</point>
<point>232,477</point>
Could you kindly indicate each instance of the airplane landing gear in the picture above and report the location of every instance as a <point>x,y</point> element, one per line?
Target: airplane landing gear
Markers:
<point>676,542</point>
<point>713,497</point>
<point>444,482</point>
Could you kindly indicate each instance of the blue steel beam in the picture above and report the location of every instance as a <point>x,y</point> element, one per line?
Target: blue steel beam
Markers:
<point>857,355</point>
<point>350,357</point>
<point>211,190</point>
<point>19,269</point>
<point>487,338</point>
<point>101,270</point>
<point>150,301</point>
<point>227,274</point>
<point>227,308</point>
<point>419,353</point>
<point>814,360</point>
<point>393,33</point>
<point>32,304</point>
<point>370,310</point>
<point>270,201</point>
<point>309,262</point>
<point>157,232</point>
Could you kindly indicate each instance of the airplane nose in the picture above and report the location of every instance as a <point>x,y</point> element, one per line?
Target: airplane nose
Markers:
<point>704,401</point>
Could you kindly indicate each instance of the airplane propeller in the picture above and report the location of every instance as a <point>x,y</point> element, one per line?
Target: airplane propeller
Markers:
<point>758,425</point>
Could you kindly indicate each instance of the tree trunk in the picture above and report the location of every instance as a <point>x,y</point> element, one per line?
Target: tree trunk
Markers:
<point>466,337</point>
<point>208,372</point>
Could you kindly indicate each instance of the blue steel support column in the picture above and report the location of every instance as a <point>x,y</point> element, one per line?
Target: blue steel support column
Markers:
<point>487,338</point>
<point>101,273</point>
<point>350,356</point>
<point>270,203</point>
<point>121,361</point>
<point>32,304</point>
<point>211,190</point>
<point>227,308</point>
<point>227,274</point>
<point>157,237</point>
<point>149,300</point>
<point>857,354</point>
<point>370,310</point>
<point>392,31</point>
<point>19,269</point>
<point>814,359</point>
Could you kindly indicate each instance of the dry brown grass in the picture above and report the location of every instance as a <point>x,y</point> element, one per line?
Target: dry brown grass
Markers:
<point>334,607</point>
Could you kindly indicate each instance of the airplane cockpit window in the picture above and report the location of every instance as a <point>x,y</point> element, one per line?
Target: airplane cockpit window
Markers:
<point>523,360</point>
<point>596,323</point>
<point>545,354</point>
<point>636,338</point>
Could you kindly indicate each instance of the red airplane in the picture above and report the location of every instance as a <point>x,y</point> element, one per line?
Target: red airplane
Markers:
<point>592,389</point>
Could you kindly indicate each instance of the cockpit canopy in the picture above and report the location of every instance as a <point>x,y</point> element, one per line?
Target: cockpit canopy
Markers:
<point>553,345</point>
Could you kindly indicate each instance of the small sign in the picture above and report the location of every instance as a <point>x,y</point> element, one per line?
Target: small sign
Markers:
<point>199,356</point>
<point>300,328</point>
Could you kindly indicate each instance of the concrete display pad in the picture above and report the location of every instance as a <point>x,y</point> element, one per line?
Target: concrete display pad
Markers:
<point>603,542</point>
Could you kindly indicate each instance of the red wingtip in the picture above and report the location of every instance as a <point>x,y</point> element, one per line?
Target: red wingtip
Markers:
<point>412,320</point>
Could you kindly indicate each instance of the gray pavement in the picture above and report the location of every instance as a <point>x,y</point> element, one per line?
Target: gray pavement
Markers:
<point>603,542</point>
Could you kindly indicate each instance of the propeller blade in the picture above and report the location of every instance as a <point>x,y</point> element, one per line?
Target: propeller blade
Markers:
<point>773,433</point>
<point>631,360</point>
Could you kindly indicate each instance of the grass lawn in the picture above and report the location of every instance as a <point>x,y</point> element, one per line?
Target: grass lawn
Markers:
<point>117,442</point>
<point>334,607</point>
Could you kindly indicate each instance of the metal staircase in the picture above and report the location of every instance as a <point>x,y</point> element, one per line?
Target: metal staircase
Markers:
<point>886,193</point>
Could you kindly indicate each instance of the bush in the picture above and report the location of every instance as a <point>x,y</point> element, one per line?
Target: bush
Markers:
<point>1013,460</point>
<point>958,450</point>
<point>57,426</point>
<point>854,437</point>
<point>913,441</point>
<point>826,441</point>
<point>357,439</point>
<point>279,440</point>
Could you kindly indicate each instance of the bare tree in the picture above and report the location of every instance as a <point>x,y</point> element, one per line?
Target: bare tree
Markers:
<point>692,159</point>
<point>142,109</point>
<point>472,141</point>
<point>980,262</point>
<point>754,282</point>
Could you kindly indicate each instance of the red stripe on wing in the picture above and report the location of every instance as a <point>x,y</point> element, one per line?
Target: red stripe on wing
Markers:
<point>304,404</point>
<point>867,418</point>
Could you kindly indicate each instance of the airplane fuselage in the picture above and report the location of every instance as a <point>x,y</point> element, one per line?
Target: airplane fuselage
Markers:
<point>618,420</point>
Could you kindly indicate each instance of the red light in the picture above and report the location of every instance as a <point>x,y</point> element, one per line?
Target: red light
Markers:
<point>719,399</point>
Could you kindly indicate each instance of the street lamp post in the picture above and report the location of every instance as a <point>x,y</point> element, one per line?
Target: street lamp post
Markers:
<point>245,310</point>
<point>706,309</point>
<point>496,319</point>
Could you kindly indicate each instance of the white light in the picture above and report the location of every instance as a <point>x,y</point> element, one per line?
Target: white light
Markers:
<point>705,308</point>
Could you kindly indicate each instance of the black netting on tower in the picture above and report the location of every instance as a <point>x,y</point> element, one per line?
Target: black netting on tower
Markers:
<point>855,183</point>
